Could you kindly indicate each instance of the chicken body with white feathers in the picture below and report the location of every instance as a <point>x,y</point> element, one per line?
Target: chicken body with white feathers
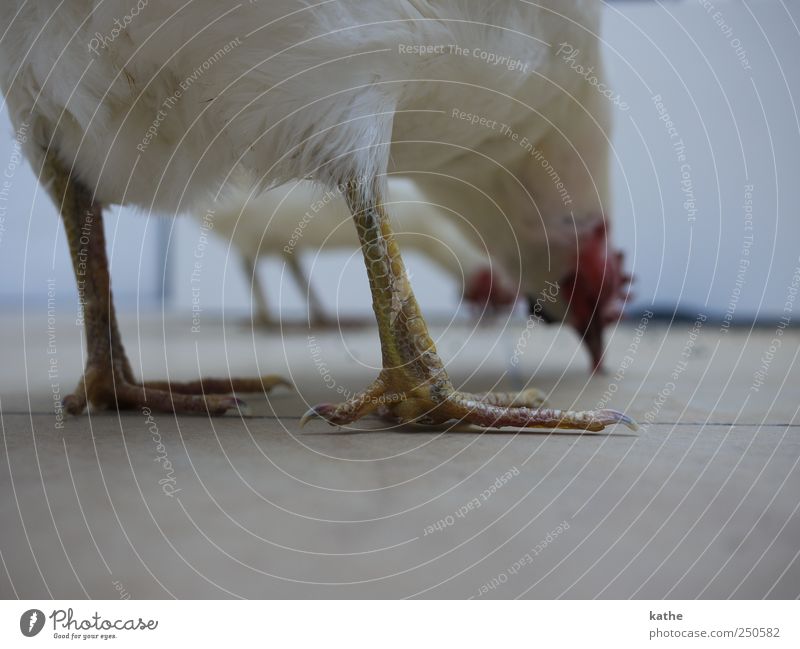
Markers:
<point>301,216</point>
<point>159,113</point>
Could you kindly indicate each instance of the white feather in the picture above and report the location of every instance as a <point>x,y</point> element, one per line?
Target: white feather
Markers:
<point>302,216</point>
<point>298,89</point>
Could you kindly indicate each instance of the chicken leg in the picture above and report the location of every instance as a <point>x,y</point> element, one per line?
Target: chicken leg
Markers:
<point>316,311</point>
<point>413,385</point>
<point>108,380</point>
<point>257,294</point>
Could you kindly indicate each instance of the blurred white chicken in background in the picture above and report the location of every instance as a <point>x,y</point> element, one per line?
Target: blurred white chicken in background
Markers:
<point>474,100</point>
<point>301,216</point>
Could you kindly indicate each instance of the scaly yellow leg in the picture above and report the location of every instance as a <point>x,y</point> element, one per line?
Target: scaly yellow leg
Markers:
<point>413,384</point>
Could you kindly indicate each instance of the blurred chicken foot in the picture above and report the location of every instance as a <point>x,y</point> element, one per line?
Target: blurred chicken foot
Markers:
<point>108,380</point>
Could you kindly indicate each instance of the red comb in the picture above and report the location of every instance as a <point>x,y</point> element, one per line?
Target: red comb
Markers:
<point>597,290</point>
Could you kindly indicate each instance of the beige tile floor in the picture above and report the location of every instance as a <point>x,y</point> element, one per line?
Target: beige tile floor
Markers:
<point>702,502</point>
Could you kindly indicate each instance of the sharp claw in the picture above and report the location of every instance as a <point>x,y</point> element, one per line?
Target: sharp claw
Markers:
<point>315,412</point>
<point>308,416</point>
<point>617,417</point>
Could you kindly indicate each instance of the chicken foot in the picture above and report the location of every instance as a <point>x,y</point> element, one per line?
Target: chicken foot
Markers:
<point>108,380</point>
<point>413,385</point>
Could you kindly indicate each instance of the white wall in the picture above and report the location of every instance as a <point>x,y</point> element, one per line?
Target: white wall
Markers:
<point>740,128</point>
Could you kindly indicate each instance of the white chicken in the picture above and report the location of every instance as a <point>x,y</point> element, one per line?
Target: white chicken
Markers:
<point>156,103</point>
<point>300,216</point>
